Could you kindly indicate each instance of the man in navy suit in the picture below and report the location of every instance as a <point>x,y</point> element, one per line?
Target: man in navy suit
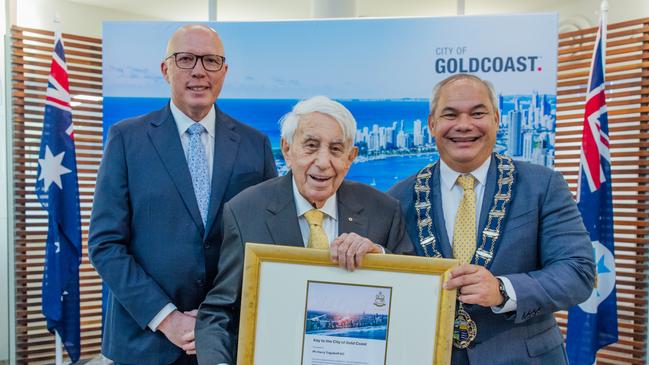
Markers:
<point>155,230</point>
<point>525,251</point>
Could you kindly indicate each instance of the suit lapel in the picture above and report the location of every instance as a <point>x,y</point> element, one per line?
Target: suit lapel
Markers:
<point>437,211</point>
<point>282,219</point>
<point>226,146</point>
<point>349,212</point>
<point>487,199</point>
<point>166,141</point>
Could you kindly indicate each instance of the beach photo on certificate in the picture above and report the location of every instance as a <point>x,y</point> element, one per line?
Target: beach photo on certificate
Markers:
<point>346,323</point>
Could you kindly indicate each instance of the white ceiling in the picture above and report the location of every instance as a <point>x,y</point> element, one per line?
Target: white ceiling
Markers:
<point>282,9</point>
<point>162,9</point>
<point>86,16</point>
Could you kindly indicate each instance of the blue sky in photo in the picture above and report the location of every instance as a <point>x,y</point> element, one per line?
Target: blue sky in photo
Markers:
<point>344,59</point>
<point>342,298</point>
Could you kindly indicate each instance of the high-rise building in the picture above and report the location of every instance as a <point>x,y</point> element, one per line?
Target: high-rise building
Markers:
<point>383,137</point>
<point>528,145</point>
<point>416,133</point>
<point>401,139</point>
<point>514,142</point>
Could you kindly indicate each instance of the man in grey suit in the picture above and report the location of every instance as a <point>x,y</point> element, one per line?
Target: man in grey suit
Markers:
<point>514,225</point>
<point>318,146</point>
<point>155,230</point>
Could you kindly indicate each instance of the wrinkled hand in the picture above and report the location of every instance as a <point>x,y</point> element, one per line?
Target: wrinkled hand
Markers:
<point>475,284</point>
<point>348,249</point>
<point>190,341</point>
<point>176,325</point>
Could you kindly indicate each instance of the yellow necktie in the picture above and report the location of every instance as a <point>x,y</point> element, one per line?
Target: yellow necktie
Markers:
<point>317,236</point>
<point>464,231</point>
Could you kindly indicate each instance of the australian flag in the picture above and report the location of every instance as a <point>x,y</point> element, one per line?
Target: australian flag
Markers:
<point>57,189</point>
<point>593,323</point>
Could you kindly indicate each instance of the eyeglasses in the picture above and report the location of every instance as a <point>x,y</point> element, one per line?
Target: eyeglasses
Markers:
<point>187,61</point>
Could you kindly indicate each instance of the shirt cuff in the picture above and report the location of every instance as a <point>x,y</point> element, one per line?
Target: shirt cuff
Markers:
<point>510,305</point>
<point>164,312</point>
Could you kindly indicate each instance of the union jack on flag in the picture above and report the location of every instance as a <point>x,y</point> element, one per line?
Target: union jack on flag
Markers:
<point>58,192</point>
<point>593,323</point>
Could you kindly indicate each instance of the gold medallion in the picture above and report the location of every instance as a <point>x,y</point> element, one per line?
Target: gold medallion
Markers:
<point>464,329</point>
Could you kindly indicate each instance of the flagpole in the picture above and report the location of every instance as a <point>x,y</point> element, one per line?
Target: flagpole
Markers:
<point>604,24</point>
<point>58,343</point>
<point>59,348</point>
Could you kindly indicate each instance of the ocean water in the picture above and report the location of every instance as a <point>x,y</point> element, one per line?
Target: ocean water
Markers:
<point>264,115</point>
<point>384,173</point>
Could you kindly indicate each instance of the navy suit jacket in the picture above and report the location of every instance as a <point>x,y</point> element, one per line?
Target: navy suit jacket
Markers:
<point>266,213</point>
<point>147,239</point>
<point>544,250</point>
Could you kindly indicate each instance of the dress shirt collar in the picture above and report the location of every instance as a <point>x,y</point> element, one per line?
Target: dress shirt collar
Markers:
<point>329,208</point>
<point>449,176</point>
<point>183,121</point>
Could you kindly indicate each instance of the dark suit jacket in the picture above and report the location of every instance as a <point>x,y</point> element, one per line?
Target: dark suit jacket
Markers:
<point>266,213</point>
<point>544,250</point>
<point>147,240</point>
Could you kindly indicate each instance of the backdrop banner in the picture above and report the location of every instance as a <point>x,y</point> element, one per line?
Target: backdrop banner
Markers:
<point>383,70</point>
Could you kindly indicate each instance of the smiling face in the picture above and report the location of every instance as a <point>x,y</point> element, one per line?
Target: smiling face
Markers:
<point>464,124</point>
<point>194,91</point>
<point>319,157</point>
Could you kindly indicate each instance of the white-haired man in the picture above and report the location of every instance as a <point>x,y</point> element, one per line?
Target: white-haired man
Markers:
<point>318,146</point>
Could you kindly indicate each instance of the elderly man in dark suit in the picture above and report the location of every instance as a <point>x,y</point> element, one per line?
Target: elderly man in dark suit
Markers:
<point>312,206</point>
<point>155,231</point>
<point>515,226</point>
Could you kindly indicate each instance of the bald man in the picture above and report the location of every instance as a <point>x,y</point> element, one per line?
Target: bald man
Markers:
<point>155,230</point>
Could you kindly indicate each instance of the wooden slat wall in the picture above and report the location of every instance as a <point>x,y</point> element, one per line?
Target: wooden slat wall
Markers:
<point>30,62</point>
<point>627,84</point>
<point>628,103</point>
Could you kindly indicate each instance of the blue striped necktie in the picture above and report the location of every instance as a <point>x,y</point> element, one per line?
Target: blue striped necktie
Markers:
<point>197,163</point>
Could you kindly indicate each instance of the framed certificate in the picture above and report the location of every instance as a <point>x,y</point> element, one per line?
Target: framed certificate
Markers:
<point>297,307</point>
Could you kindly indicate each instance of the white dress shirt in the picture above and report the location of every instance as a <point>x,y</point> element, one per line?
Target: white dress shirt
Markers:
<point>451,198</point>
<point>183,122</point>
<point>329,222</point>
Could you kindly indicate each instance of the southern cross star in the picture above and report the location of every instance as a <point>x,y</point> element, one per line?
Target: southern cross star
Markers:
<point>52,169</point>
<point>601,266</point>
<point>601,269</point>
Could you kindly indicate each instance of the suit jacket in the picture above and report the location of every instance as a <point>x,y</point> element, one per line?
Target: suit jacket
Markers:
<point>544,250</point>
<point>147,239</point>
<point>266,213</point>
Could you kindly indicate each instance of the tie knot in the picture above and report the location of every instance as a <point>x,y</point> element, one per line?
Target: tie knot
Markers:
<point>314,217</point>
<point>196,128</point>
<point>466,181</point>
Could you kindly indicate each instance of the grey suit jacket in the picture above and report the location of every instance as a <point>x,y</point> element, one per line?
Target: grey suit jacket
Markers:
<point>147,239</point>
<point>544,250</point>
<point>266,213</point>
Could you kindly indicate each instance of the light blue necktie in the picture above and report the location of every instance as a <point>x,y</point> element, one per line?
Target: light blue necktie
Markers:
<point>197,162</point>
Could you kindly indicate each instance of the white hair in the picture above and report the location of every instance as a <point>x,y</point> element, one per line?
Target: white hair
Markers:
<point>318,104</point>
<point>438,88</point>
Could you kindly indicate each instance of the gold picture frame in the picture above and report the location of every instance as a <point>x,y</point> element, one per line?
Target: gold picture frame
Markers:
<point>274,291</point>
